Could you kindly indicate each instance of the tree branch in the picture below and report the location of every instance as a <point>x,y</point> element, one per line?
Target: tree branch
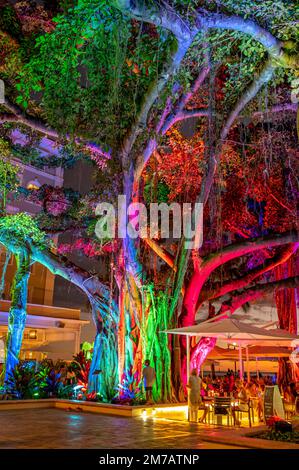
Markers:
<point>151,96</point>
<point>191,113</point>
<point>263,78</point>
<point>242,282</point>
<point>247,96</point>
<point>19,117</point>
<point>244,247</point>
<point>154,13</point>
<point>237,298</point>
<point>273,46</point>
<point>90,284</point>
<point>279,108</point>
<point>204,269</point>
<point>163,254</point>
<point>87,282</point>
<point>178,114</point>
<point>168,18</point>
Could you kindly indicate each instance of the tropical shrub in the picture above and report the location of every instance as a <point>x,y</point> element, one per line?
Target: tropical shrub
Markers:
<point>80,366</point>
<point>50,380</point>
<point>129,393</point>
<point>23,381</point>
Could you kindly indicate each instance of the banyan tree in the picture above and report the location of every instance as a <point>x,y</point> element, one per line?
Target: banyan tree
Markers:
<point>170,102</point>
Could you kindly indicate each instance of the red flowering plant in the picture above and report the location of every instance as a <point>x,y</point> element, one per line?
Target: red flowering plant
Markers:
<point>55,201</point>
<point>80,366</point>
<point>272,420</point>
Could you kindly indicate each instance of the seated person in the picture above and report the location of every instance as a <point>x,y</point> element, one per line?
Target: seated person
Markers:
<point>289,400</point>
<point>243,399</point>
<point>255,392</point>
<point>226,386</point>
<point>204,405</point>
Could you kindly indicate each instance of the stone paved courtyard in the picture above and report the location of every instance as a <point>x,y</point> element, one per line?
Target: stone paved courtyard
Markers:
<point>56,429</point>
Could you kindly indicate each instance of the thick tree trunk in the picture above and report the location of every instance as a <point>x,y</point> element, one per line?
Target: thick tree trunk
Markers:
<point>3,274</point>
<point>103,376</point>
<point>17,312</point>
<point>287,315</point>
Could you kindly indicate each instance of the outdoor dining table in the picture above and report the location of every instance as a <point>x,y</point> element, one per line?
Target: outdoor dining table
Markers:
<point>210,401</point>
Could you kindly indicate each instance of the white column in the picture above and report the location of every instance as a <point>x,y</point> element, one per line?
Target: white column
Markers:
<point>248,368</point>
<point>77,340</point>
<point>240,362</point>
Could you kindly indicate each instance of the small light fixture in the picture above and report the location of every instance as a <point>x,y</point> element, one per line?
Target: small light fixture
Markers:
<point>33,185</point>
<point>32,334</point>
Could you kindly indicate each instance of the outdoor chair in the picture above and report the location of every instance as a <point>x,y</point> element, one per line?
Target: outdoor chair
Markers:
<point>290,408</point>
<point>223,407</point>
<point>206,406</point>
<point>249,411</point>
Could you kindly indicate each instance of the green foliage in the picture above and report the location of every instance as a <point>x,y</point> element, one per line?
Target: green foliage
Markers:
<point>9,22</point>
<point>50,380</point>
<point>87,349</point>
<point>130,393</point>
<point>161,193</point>
<point>10,62</point>
<point>20,229</point>
<point>92,70</point>
<point>9,178</point>
<point>80,366</point>
<point>22,383</point>
<point>279,436</point>
<point>37,380</point>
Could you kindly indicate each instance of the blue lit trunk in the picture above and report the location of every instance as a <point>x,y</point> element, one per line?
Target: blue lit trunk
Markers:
<point>103,376</point>
<point>131,295</point>
<point>17,312</point>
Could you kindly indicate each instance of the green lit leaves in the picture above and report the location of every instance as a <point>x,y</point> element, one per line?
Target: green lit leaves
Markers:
<point>20,230</point>
<point>92,71</point>
<point>9,179</point>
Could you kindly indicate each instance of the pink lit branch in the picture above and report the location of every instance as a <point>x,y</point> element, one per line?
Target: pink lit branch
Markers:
<point>213,261</point>
<point>253,293</point>
<point>201,351</point>
<point>242,282</point>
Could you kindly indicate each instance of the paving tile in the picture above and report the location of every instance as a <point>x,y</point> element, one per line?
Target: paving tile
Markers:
<point>57,429</point>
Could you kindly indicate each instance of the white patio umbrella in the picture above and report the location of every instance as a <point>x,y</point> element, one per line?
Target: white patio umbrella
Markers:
<point>232,330</point>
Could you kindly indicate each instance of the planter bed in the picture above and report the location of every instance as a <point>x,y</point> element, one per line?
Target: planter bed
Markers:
<point>175,411</point>
<point>287,437</point>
